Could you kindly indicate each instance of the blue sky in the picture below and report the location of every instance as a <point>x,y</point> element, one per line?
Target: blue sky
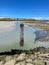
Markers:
<point>24,8</point>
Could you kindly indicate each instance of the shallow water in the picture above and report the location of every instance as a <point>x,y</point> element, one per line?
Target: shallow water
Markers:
<point>10,37</point>
<point>42,22</point>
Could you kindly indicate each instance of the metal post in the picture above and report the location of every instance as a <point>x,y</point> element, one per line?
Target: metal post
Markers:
<point>21,34</point>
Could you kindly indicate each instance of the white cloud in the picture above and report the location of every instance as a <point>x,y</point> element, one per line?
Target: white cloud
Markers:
<point>37,18</point>
<point>41,18</point>
<point>3,17</point>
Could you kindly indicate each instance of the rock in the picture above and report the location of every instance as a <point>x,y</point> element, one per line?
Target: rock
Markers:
<point>41,50</point>
<point>1,62</point>
<point>27,56</point>
<point>22,54</point>
<point>15,56</point>
<point>29,61</point>
<point>40,58</point>
<point>35,62</point>
<point>8,58</point>
<point>38,62</point>
<point>22,63</point>
<point>11,62</point>
<point>32,56</point>
<point>2,57</point>
<point>37,53</point>
<point>29,64</point>
<point>17,64</point>
<point>21,57</point>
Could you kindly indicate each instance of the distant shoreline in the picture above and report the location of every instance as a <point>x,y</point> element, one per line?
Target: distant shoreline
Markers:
<point>41,26</point>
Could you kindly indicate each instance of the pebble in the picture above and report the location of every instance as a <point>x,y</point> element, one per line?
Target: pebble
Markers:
<point>29,64</point>
<point>11,62</point>
<point>17,64</point>
<point>1,62</point>
<point>29,61</point>
<point>22,54</point>
<point>8,58</point>
<point>21,57</point>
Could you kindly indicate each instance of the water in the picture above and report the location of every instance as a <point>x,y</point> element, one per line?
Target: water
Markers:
<point>10,37</point>
<point>42,22</point>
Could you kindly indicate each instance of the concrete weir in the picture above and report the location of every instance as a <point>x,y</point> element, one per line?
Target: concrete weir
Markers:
<point>21,34</point>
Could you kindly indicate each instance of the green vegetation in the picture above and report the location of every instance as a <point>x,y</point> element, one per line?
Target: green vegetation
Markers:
<point>17,19</point>
<point>22,19</point>
<point>6,19</point>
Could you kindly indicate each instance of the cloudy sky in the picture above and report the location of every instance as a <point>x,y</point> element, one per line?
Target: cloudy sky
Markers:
<point>37,9</point>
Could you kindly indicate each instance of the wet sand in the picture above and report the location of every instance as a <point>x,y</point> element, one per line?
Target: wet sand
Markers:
<point>41,26</point>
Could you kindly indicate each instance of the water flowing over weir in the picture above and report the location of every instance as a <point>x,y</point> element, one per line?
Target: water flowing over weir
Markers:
<point>14,35</point>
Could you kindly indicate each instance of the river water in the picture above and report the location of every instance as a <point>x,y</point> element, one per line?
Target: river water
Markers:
<point>10,37</point>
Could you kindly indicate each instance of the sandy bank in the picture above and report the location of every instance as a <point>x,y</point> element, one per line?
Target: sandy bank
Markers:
<point>5,26</point>
<point>41,26</point>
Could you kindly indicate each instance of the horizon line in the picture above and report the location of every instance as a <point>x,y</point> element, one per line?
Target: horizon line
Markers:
<point>36,18</point>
